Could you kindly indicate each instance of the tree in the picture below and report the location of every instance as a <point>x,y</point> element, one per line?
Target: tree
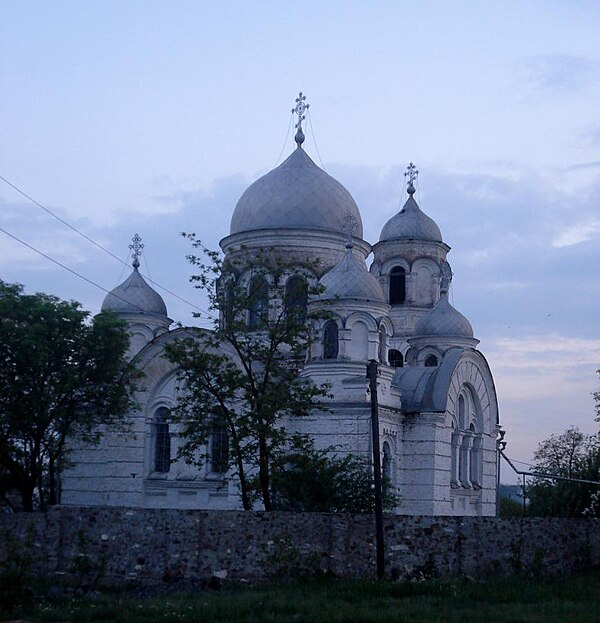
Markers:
<point>61,377</point>
<point>243,375</point>
<point>309,480</point>
<point>572,454</point>
<point>597,402</point>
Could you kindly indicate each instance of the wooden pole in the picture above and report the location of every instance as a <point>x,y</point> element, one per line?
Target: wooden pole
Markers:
<point>372,376</point>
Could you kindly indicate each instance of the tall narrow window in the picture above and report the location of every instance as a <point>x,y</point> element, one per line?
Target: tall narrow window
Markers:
<point>296,297</point>
<point>397,285</point>
<point>475,463</point>
<point>454,457</point>
<point>258,302</point>
<point>219,450</point>
<point>359,341</point>
<point>225,291</point>
<point>386,467</point>
<point>382,344</point>
<point>162,441</point>
<point>330,340</point>
<point>395,358</point>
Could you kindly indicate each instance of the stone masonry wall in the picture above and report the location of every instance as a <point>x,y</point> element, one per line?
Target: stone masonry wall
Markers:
<point>156,546</point>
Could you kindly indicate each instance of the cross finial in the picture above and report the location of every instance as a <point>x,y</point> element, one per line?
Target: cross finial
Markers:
<point>299,109</point>
<point>136,246</point>
<point>349,227</point>
<point>411,173</point>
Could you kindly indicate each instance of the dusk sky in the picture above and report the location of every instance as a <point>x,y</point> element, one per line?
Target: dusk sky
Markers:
<point>153,117</point>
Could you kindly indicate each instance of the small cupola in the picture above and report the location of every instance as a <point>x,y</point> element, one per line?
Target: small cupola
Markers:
<point>411,223</point>
<point>440,329</point>
<point>139,305</point>
<point>350,279</point>
<point>134,295</point>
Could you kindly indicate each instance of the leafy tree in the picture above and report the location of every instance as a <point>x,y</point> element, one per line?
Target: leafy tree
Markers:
<point>305,479</point>
<point>572,454</point>
<point>60,377</point>
<point>243,375</point>
<point>597,402</point>
<point>508,507</point>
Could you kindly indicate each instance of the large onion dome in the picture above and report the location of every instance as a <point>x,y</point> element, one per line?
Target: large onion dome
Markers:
<point>295,195</point>
<point>444,321</point>
<point>411,223</point>
<point>350,279</point>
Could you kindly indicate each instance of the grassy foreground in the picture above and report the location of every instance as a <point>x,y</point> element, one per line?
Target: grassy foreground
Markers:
<point>517,599</point>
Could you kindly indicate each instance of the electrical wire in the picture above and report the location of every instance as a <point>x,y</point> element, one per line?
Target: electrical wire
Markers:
<point>285,141</point>
<point>312,132</point>
<point>73,272</point>
<point>96,244</point>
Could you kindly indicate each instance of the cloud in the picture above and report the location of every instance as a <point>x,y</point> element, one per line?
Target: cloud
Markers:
<point>578,233</point>
<point>505,286</point>
<point>544,384</point>
<point>561,73</point>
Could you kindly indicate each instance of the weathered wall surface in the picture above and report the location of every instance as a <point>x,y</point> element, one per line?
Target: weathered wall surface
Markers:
<point>154,546</point>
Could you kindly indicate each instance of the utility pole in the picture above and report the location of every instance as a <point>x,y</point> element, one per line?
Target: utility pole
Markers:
<point>372,376</point>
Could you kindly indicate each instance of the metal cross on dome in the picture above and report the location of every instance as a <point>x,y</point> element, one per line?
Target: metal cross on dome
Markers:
<point>136,246</point>
<point>299,109</point>
<point>411,173</point>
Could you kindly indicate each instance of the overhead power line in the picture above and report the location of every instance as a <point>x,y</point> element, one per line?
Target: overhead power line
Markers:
<point>96,244</point>
<point>73,272</point>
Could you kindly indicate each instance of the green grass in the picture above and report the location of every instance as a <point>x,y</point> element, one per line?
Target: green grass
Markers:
<point>516,599</point>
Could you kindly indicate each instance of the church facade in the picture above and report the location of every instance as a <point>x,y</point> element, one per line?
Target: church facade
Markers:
<point>438,408</point>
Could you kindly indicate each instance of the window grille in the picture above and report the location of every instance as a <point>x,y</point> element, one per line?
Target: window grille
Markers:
<point>395,358</point>
<point>397,285</point>
<point>219,450</point>
<point>330,340</point>
<point>296,296</point>
<point>162,442</point>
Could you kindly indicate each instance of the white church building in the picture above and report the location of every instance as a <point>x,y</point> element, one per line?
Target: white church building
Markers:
<point>438,409</point>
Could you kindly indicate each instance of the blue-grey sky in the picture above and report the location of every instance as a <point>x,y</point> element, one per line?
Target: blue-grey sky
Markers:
<point>152,117</point>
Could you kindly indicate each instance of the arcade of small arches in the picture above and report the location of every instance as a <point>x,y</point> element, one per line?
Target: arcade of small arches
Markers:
<point>466,444</point>
<point>346,338</point>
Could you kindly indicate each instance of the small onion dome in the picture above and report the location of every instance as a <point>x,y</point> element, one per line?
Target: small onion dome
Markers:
<point>134,296</point>
<point>295,195</point>
<point>444,320</point>
<point>411,223</point>
<point>350,279</point>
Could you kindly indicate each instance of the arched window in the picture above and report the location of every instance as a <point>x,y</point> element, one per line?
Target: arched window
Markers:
<point>397,285</point>
<point>258,302</point>
<point>431,361</point>
<point>466,444</point>
<point>395,358</point>
<point>382,344</point>
<point>296,296</point>
<point>464,470</point>
<point>386,467</point>
<point>476,461</point>
<point>226,293</point>
<point>454,457</point>
<point>162,441</point>
<point>330,340</point>
<point>462,412</point>
<point>219,449</point>
<point>359,341</point>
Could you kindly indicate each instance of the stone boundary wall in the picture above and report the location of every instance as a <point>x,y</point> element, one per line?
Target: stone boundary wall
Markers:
<point>145,546</point>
